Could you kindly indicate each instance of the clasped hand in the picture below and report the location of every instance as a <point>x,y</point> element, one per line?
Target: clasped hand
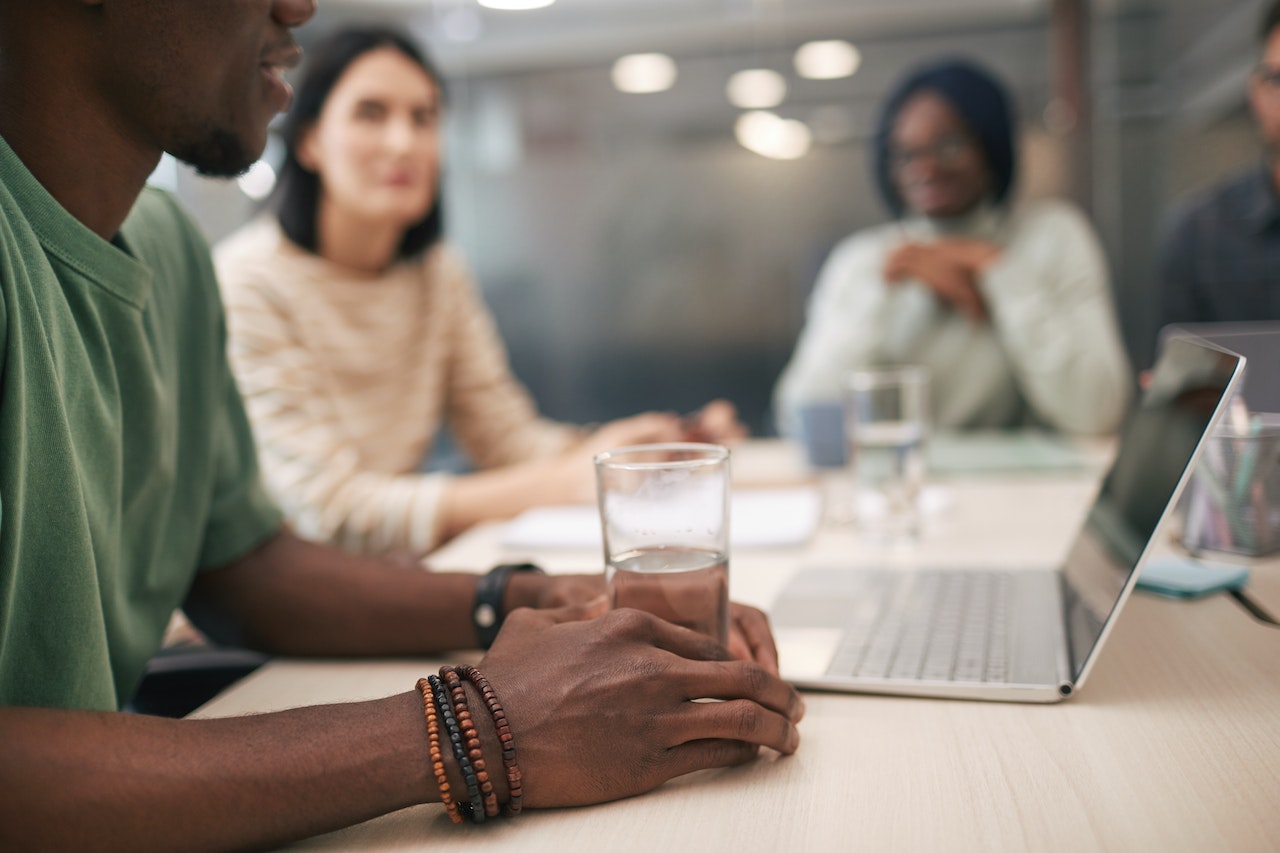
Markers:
<point>605,708</point>
<point>583,597</point>
<point>950,267</point>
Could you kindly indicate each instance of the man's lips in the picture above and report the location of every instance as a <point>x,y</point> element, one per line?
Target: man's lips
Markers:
<point>275,61</point>
<point>282,55</point>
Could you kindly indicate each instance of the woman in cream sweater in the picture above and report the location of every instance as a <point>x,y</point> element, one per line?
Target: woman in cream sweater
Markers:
<point>356,333</point>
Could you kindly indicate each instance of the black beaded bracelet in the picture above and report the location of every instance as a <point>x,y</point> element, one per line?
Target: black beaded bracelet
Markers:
<point>473,809</point>
<point>488,613</point>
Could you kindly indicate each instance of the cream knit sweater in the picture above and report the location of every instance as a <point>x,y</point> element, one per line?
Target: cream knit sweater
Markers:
<point>347,376</point>
<point>1050,354</point>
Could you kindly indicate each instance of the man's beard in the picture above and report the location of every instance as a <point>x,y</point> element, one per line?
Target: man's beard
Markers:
<point>218,154</point>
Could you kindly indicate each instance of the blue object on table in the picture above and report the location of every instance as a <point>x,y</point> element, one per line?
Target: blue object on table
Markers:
<point>1185,577</point>
<point>822,434</point>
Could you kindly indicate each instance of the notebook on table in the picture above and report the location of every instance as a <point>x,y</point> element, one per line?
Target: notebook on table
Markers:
<point>1016,634</point>
<point>759,518</point>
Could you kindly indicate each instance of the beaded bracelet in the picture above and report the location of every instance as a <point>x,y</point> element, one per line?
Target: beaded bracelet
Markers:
<point>474,809</point>
<point>433,745</point>
<point>515,779</point>
<point>471,737</point>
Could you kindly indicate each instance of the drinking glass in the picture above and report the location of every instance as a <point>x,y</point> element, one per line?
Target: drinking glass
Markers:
<point>886,417</point>
<point>664,512</point>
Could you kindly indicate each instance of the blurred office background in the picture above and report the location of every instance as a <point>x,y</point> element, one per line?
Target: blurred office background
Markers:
<point>654,250</point>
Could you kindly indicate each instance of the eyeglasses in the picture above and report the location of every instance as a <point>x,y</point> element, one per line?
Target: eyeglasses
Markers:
<point>1268,76</point>
<point>948,150</point>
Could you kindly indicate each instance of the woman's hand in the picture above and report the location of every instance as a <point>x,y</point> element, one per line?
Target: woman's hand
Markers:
<point>604,709</point>
<point>950,268</point>
<point>644,428</point>
<point>716,423</point>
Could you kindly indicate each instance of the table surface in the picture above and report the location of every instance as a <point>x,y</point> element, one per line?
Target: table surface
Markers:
<point>1173,743</point>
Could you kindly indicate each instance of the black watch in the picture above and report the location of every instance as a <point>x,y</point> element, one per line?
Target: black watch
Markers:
<point>487,614</point>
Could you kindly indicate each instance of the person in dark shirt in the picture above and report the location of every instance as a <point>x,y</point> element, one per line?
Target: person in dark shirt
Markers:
<point>1220,261</point>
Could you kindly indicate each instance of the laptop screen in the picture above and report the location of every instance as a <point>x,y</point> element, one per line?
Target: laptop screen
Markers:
<point>1157,446</point>
<point>1258,341</point>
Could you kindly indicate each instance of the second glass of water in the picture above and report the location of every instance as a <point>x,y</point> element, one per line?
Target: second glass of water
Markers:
<point>664,511</point>
<point>886,421</point>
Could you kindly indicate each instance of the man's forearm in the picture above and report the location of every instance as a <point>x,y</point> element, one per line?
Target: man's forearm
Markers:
<point>296,597</point>
<point>108,781</point>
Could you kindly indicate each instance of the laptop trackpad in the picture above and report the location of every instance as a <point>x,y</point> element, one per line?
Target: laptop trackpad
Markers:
<point>805,653</point>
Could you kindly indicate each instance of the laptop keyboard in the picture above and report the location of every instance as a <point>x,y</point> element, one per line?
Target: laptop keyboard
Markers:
<point>932,626</point>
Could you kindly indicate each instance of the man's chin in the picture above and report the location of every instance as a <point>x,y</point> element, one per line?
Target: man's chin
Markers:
<point>219,154</point>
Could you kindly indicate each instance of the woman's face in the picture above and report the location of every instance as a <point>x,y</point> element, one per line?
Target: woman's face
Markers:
<point>376,144</point>
<point>936,165</point>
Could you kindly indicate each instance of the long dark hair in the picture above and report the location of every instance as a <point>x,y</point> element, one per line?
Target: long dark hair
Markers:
<point>297,194</point>
<point>1270,20</point>
<point>983,105</point>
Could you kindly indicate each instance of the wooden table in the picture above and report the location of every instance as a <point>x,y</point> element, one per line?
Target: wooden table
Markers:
<point>1172,744</point>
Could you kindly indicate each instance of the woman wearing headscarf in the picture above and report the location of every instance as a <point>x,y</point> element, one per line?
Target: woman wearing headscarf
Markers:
<point>1007,304</point>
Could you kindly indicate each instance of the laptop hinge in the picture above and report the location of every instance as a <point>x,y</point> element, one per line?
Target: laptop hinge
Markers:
<point>1066,649</point>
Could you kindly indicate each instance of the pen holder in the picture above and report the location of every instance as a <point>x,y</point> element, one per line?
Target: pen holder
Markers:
<point>1233,499</point>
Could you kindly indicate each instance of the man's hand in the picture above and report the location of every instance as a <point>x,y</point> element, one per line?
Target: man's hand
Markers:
<point>604,709</point>
<point>750,637</point>
<point>539,591</point>
<point>585,597</point>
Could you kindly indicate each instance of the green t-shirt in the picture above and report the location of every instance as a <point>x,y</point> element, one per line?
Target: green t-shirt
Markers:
<point>126,462</point>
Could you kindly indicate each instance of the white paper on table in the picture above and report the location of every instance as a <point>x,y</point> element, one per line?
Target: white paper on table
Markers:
<point>759,518</point>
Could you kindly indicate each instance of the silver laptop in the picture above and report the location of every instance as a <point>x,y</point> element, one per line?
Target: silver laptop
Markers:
<point>1013,635</point>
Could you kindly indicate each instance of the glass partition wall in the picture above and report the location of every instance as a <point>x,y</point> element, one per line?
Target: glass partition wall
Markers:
<point>655,248</point>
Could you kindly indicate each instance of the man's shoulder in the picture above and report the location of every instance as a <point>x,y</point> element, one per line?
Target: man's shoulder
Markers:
<point>159,228</point>
<point>1227,199</point>
<point>158,209</point>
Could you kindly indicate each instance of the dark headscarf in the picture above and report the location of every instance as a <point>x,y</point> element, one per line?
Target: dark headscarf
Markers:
<point>983,105</point>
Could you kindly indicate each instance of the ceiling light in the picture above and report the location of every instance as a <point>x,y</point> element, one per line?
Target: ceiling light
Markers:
<point>827,60</point>
<point>758,88</point>
<point>515,5</point>
<point>641,73</point>
<point>772,136</point>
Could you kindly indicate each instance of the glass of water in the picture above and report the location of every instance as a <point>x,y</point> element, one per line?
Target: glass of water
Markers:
<point>664,512</point>
<point>886,421</point>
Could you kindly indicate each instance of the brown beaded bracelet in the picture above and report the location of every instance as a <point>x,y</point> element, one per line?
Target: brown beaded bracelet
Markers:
<point>471,737</point>
<point>515,779</point>
<point>433,745</point>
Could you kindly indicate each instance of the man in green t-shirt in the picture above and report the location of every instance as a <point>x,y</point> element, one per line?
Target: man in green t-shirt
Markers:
<point>128,487</point>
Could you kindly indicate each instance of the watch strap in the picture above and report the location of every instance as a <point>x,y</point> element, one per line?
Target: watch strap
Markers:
<point>488,614</point>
